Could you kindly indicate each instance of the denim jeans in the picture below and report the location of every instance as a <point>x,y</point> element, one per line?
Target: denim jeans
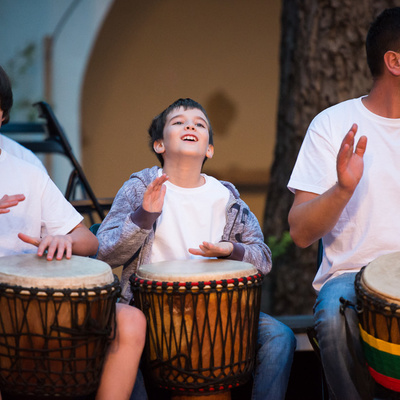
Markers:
<point>274,359</point>
<point>139,390</point>
<point>341,349</point>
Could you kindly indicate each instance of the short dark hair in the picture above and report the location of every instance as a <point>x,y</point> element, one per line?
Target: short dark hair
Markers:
<point>6,95</point>
<point>383,35</point>
<point>156,129</point>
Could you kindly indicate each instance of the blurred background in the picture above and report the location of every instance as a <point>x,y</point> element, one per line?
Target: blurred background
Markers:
<point>108,67</point>
<point>261,68</point>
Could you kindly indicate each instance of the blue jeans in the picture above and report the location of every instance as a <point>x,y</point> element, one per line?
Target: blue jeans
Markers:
<point>139,390</point>
<point>274,359</point>
<point>341,350</point>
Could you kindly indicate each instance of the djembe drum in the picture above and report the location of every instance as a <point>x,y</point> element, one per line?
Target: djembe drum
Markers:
<point>202,320</point>
<point>378,300</point>
<point>56,318</point>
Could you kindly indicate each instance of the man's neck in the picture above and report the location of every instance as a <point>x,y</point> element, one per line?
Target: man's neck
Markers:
<point>384,99</point>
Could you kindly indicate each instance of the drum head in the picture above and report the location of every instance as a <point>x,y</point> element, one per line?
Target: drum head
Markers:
<point>29,270</point>
<point>382,277</point>
<point>195,270</point>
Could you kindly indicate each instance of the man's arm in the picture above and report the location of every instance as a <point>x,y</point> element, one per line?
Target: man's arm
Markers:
<point>312,215</point>
<point>10,201</point>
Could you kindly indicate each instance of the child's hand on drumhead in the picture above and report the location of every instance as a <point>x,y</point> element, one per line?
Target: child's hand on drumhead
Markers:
<point>153,199</point>
<point>10,201</point>
<point>207,249</point>
<point>54,245</point>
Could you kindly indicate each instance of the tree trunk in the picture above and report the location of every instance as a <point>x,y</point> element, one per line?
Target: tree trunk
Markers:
<point>322,62</point>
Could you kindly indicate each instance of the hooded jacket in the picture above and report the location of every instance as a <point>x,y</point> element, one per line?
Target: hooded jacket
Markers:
<point>126,237</point>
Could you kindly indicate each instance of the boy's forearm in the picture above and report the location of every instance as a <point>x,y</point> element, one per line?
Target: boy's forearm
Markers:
<point>237,252</point>
<point>144,219</point>
<point>119,241</point>
<point>259,255</point>
<point>255,249</point>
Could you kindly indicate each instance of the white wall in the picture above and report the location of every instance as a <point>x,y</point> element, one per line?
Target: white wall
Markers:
<point>26,22</point>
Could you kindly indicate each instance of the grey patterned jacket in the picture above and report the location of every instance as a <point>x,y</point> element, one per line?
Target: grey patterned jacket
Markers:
<point>127,233</point>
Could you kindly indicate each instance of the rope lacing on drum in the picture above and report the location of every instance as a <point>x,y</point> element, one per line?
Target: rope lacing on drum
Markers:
<point>180,323</point>
<point>53,341</point>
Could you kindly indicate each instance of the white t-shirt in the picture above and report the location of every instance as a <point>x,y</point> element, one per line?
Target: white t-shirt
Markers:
<point>44,210</point>
<point>14,148</point>
<point>189,217</point>
<point>370,223</point>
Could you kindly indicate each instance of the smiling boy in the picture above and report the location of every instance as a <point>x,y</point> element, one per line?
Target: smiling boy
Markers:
<point>177,212</point>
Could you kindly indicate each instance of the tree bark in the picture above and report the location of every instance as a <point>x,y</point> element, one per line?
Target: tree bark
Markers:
<point>322,62</point>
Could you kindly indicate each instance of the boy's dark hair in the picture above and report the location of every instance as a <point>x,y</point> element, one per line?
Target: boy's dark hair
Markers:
<point>6,96</point>
<point>383,36</point>
<point>156,129</point>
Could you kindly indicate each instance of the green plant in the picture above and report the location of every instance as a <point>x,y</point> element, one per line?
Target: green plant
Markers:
<point>279,246</point>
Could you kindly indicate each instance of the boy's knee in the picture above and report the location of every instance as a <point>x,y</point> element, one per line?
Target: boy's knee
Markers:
<point>287,338</point>
<point>131,324</point>
<point>276,332</point>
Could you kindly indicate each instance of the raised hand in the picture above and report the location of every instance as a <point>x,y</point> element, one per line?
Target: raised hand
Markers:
<point>55,245</point>
<point>153,199</point>
<point>207,249</point>
<point>350,163</point>
<point>10,201</point>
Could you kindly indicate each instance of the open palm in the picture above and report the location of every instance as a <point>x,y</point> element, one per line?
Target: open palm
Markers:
<point>350,163</point>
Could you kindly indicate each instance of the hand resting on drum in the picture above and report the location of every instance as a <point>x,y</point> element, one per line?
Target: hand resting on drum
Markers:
<point>207,249</point>
<point>79,241</point>
<point>10,201</point>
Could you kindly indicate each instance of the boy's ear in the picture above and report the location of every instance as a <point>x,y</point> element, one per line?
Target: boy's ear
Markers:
<point>210,151</point>
<point>158,146</point>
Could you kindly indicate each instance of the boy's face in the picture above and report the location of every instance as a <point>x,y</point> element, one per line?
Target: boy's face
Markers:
<point>185,133</point>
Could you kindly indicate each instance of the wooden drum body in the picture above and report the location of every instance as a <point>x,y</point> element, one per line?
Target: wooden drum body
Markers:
<point>202,320</point>
<point>56,318</point>
<point>378,299</point>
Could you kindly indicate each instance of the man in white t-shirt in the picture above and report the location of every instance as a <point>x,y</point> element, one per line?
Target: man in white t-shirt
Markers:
<point>11,146</point>
<point>34,213</point>
<point>347,194</point>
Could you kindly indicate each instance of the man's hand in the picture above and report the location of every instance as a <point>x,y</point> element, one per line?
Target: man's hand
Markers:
<point>312,216</point>
<point>153,199</point>
<point>10,201</point>
<point>350,163</point>
<point>207,249</point>
<point>55,245</point>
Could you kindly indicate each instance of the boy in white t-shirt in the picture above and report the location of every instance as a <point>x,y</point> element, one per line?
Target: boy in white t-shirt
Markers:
<point>176,212</point>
